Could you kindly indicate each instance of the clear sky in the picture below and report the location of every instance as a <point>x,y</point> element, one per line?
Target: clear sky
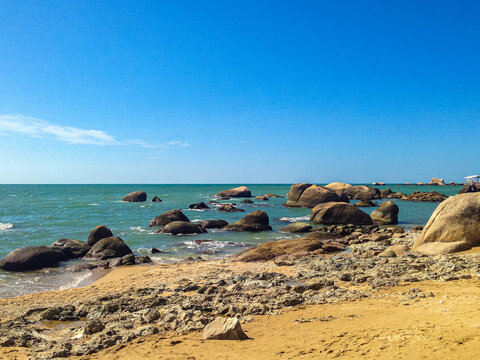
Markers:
<point>238,91</point>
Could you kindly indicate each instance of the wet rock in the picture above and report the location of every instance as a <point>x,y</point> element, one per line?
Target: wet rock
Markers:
<point>128,259</point>
<point>224,329</point>
<point>296,227</point>
<point>254,221</point>
<point>98,233</point>
<point>246,201</point>
<point>71,248</point>
<point>81,267</point>
<point>156,251</point>
<point>387,213</point>
<point>199,206</point>
<point>273,249</point>
<point>108,248</point>
<point>143,259</point>
<point>182,227</point>
<point>93,326</point>
<point>168,217</point>
<point>309,195</point>
<point>241,191</point>
<point>31,258</point>
<point>213,224</point>
<point>156,199</point>
<point>338,213</point>
<point>229,208</point>
<point>136,196</point>
<point>261,197</point>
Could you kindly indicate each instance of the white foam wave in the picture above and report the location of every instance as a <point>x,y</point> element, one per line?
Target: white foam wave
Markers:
<point>6,226</point>
<point>93,204</point>
<point>141,230</point>
<point>77,280</point>
<point>294,218</point>
<point>210,245</point>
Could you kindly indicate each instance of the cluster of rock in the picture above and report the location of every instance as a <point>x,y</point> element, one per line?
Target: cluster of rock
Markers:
<point>139,196</point>
<point>428,196</point>
<point>102,249</point>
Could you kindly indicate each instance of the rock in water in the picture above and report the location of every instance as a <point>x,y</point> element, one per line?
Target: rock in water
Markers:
<point>261,197</point>
<point>98,233</point>
<point>454,226</point>
<point>246,201</point>
<point>31,258</point>
<point>308,195</point>
<point>254,221</point>
<point>199,206</point>
<point>241,191</point>
<point>182,227</point>
<point>136,196</point>
<point>71,248</point>
<point>365,203</point>
<point>438,181</point>
<point>168,217</point>
<point>272,195</point>
<point>213,224</point>
<point>229,208</point>
<point>296,227</point>
<point>156,199</point>
<point>338,213</point>
<point>108,248</point>
<point>224,329</point>
<point>337,186</point>
<point>362,192</point>
<point>384,193</point>
<point>386,214</point>
<point>430,196</point>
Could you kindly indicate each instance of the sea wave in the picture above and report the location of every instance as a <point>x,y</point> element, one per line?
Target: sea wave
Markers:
<point>210,246</point>
<point>141,230</point>
<point>93,204</point>
<point>77,280</point>
<point>294,218</point>
<point>6,226</point>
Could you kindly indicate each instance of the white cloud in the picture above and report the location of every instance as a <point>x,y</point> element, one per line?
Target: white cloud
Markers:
<point>30,126</point>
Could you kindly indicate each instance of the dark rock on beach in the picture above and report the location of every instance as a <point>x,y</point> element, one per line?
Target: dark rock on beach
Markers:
<point>168,217</point>
<point>98,233</point>
<point>107,248</point>
<point>296,227</point>
<point>136,196</point>
<point>182,227</point>
<point>241,191</point>
<point>156,199</point>
<point>31,258</point>
<point>338,213</point>
<point>254,221</point>
<point>199,206</point>
<point>71,248</point>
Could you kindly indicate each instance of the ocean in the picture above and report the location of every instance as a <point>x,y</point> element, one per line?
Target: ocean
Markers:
<point>40,214</point>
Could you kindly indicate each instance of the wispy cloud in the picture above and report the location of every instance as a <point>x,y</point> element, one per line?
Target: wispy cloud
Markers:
<point>30,126</point>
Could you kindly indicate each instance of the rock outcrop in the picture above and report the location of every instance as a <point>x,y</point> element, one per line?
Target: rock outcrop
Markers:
<point>296,227</point>
<point>229,208</point>
<point>136,196</point>
<point>107,248</point>
<point>199,206</point>
<point>454,226</point>
<point>308,195</point>
<point>224,329</point>
<point>98,233</point>
<point>72,249</point>
<point>254,221</point>
<point>31,258</point>
<point>386,214</point>
<point>437,181</point>
<point>182,227</point>
<point>362,192</point>
<point>430,196</point>
<point>241,191</point>
<point>337,186</point>
<point>168,217</point>
<point>271,195</point>
<point>338,213</point>
<point>213,224</point>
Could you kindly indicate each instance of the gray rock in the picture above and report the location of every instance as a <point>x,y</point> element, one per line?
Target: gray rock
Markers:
<point>31,258</point>
<point>136,196</point>
<point>98,233</point>
<point>71,248</point>
<point>111,247</point>
<point>168,217</point>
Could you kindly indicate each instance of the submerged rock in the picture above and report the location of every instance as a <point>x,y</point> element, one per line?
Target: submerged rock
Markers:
<point>108,248</point>
<point>224,329</point>
<point>182,227</point>
<point>71,248</point>
<point>199,206</point>
<point>261,197</point>
<point>136,196</point>
<point>386,214</point>
<point>246,201</point>
<point>229,208</point>
<point>213,224</point>
<point>31,258</point>
<point>338,213</point>
<point>168,217</point>
<point>254,221</point>
<point>98,233</point>
<point>241,191</point>
<point>156,199</point>
<point>308,195</point>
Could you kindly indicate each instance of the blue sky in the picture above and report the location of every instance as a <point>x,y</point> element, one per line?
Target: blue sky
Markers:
<point>238,91</point>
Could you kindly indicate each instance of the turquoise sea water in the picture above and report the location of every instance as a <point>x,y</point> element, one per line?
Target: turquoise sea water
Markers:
<point>41,214</point>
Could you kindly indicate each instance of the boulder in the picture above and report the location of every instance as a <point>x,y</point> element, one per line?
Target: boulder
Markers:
<point>213,224</point>
<point>229,208</point>
<point>156,199</point>
<point>338,213</point>
<point>386,214</point>
<point>246,201</point>
<point>296,227</point>
<point>199,206</point>
<point>224,329</point>
<point>31,258</point>
<point>136,196</point>
<point>261,197</point>
<point>338,186</point>
<point>182,227</point>
<point>168,217</point>
<point>271,195</point>
<point>454,226</point>
<point>254,221</point>
<point>143,259</point>
<point>98,233</point>
<point>365,203</point>
<point>71,248</point>
<point>128,259</point>
<point>398,250</point>
<point>385,193</point>
<point>362,192</point>
<point>108,248</point>
<point>272,249</point>
<point>241,191</point>
<point>308,195</point>
<point>429,196</point>
<point>438,181</point>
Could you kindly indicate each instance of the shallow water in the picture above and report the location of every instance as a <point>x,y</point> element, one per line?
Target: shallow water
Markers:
<point>41,214</point>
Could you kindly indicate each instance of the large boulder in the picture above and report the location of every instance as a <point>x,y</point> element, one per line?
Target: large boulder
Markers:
<point>111,247</point>
<point>254,221</point>
<point>136,196</point>
<point>182,227</point>
<point>429,196</point>
<point>338,186</point>
<point>338,213</point>
<point>213,224</point>
<point>384,193</point>
<point>362,192</point>
<point>454,226</point>
<point>168,217</point>
<point>98,233</point>
<point>31,258</point>
<point>224,329</point>
<point>71,248</point>
<point>296,227</point>
<point>241,191</point>
<point>308,195</point>
<point>199,206</point>
<point>386,214</point>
